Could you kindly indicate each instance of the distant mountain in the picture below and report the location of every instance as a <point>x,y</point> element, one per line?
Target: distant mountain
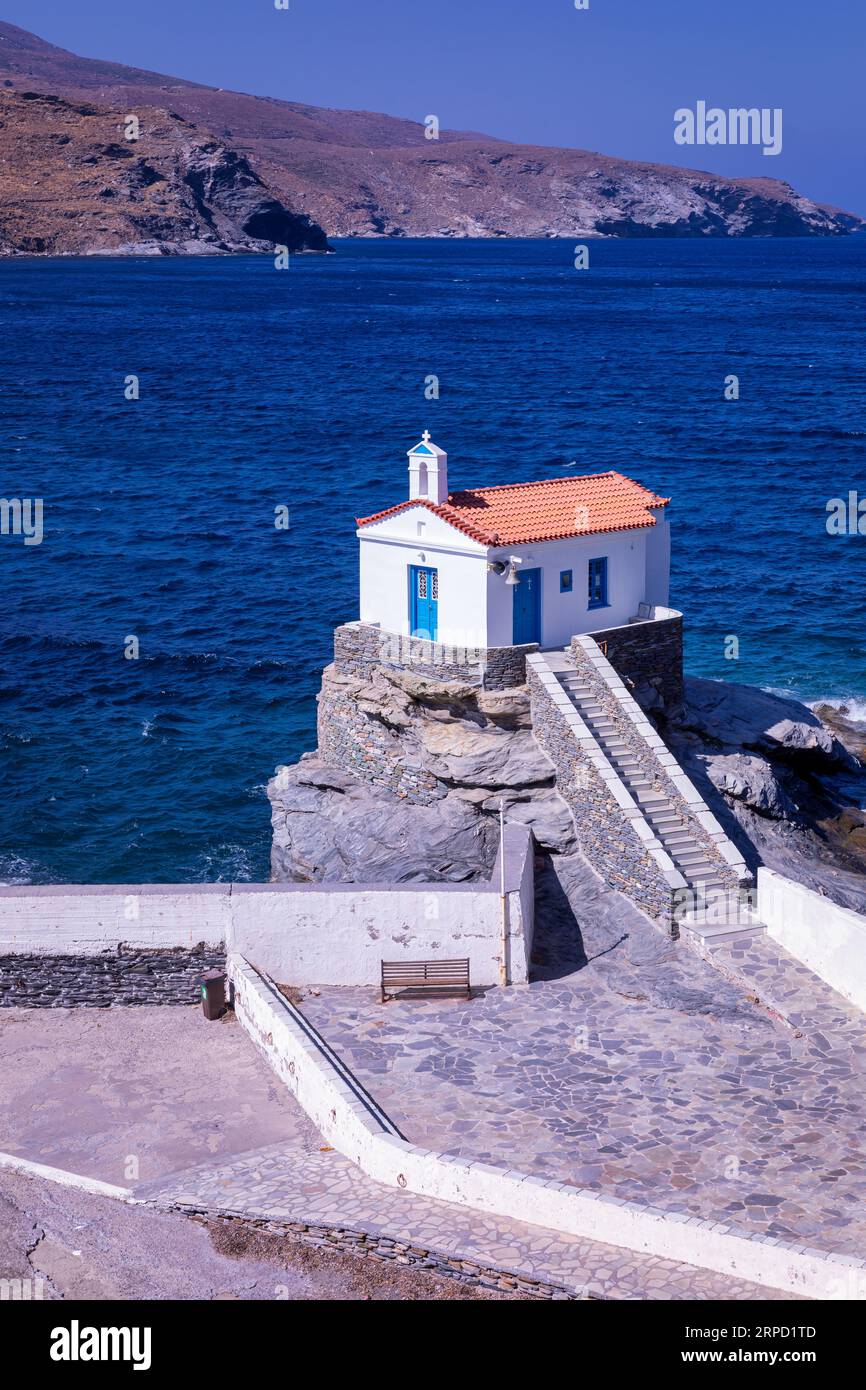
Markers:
<point>70,183</point>
<point>356,173</point>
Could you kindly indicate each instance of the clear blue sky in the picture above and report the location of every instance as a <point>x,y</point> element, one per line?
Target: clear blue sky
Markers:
<point>607,79</point>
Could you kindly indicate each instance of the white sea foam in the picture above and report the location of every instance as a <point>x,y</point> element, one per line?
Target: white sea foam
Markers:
<point>851,707</point>
<point>15,869</point>
<point>783,692</point>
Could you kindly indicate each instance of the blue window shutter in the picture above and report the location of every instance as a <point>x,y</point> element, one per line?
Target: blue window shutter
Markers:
<point>598,583</point>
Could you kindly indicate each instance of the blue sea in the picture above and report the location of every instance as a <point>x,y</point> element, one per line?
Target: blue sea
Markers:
<point>303,389</point>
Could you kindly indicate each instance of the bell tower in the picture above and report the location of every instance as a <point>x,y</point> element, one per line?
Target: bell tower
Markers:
<point>428,471</point>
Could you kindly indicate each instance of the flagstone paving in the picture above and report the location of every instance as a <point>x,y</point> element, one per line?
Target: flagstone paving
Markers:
<point>633,1067</point>
<point>282,1184</point>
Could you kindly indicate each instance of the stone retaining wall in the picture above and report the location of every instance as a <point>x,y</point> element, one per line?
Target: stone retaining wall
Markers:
<point>649,655</point>
<point>348,738</point>
<point>605,828</point>
<point>657,764</point>
<point>382,1250</point>
<point>98,981</point>
<point>360,647</point>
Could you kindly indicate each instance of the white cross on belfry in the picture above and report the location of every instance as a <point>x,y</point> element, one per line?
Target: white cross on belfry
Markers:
<point>426,436</point>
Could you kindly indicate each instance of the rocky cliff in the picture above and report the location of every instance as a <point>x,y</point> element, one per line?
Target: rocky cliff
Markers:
<point>407,782</point>
<point>73,184</point>
<point>409,773</point>
<point>357,173</point>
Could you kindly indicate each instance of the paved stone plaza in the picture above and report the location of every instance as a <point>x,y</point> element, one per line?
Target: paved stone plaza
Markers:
<point>213,1130</point>
<point>330,1200</point>
<point>632,1067</point>
<point>730,1090</point>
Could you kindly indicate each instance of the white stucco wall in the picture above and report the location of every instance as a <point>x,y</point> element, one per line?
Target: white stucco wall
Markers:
<point>339,934</point>
<point>658,559</point>
<point>390,547</point>
<point>476,607</point>
<point>302,934</point>
<point>83,920</point>
<point>327,937</point>
<point>829,939</point>
<point>563,615</point>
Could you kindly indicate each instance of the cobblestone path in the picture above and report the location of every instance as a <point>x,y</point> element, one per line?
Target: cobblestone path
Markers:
<point>633,1067</point>
<point>340,1206</point>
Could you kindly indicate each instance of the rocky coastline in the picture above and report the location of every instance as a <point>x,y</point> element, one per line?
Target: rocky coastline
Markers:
<point>785,783</point>
<point>73,184</point>
<point>353,173</point>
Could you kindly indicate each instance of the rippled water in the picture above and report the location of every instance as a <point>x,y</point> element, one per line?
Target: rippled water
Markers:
<point>304,388</point>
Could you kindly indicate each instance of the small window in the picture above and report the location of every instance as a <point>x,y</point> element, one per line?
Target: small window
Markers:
<point>598,583</point>
<point>566,581</point>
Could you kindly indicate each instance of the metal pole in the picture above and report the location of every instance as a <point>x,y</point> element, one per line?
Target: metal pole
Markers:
<point>503,967</point>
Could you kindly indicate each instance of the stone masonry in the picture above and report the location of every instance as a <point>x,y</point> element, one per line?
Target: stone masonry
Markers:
<point>360,647</point>
<point>350,738</point>
<point>646,756</point>
<point>123,976</point>
<point>604,834</point>
<point>649,658</point>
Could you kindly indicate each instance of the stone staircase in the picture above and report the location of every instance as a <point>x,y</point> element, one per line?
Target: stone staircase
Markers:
<point>660,812</point>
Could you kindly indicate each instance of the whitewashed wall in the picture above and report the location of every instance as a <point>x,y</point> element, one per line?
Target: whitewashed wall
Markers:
<point>389,547</point>
<point>302,934</point>
<point>82,920</point>
<point>829,939</point>
<point>563,615</point>
<point>658,559</point>
<point>327,937</point>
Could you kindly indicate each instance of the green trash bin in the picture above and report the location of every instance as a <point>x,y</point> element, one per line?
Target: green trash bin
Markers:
<point>213,993</point>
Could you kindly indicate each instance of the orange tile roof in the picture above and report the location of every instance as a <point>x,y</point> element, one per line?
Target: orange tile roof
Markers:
<point>551,510</point>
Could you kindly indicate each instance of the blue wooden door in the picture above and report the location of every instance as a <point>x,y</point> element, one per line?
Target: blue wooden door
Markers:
<point>423,602</point>
<point>527,607</point>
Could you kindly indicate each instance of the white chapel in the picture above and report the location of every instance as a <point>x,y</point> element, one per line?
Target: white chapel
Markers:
<point>519,563</point>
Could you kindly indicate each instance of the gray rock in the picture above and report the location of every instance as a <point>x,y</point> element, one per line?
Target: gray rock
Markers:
<point>548,818</point>
<point>406,782</point>
<point>786,782</point>
<point>463,755</point>
<point>740,716</point>
<point>750,779</point>
<point>364,834</point>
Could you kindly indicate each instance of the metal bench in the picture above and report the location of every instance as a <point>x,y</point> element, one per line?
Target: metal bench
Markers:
<point>425,974</point>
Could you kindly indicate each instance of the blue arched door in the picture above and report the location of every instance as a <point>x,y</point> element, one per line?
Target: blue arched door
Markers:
<point>423,602</point>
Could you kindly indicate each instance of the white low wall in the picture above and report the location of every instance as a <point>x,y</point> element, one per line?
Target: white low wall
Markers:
<point>349,1121</point>
<point>301,934</point>
<point>829,939</point>
<point>328,937</point>
<point>80,920</point>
